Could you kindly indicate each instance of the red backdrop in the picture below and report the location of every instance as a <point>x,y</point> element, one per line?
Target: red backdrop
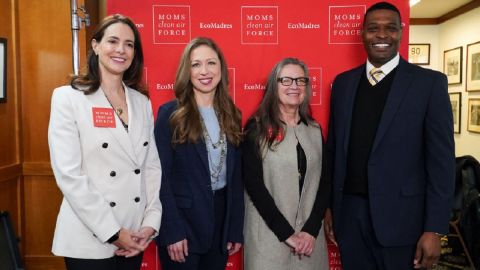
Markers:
<point>253,36</point>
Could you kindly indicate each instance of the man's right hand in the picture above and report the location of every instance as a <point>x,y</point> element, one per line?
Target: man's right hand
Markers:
<point>178,251</point>
<point>328,226</point>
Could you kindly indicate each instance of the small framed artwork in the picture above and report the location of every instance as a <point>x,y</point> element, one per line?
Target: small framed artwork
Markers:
<point>456,101</point>
<point>473,123</point>
<point>419,54</point>
<point>3,70</point>
<point>473,67</point>
<point>452,65</point>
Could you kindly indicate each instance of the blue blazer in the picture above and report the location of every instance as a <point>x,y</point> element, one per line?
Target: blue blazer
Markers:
<point>186,192</point>
<point>412,161</point>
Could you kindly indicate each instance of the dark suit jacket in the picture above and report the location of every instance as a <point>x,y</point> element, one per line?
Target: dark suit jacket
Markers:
<point>186,194</point>
<point>412,161</point>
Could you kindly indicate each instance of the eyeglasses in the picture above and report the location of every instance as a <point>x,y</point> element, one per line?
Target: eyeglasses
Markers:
<point>287,81</point>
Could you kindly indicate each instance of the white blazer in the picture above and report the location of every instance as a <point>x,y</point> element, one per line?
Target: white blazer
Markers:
<point>110,178</point>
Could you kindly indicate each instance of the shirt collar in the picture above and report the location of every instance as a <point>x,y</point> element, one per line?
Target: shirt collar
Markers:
<point>387,67</point>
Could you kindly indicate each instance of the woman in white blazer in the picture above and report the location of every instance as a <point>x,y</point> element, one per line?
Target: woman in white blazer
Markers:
<point>104,156</point>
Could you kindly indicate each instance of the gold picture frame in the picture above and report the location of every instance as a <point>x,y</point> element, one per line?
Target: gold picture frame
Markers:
<point>456,101</point>
<point>473,67</point>
<point>473,123</point>
<point>419,53</point>
<point>452,65</point>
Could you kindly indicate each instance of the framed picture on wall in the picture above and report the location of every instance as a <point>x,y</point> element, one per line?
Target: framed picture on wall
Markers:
<point>473,66</point>
<point>456,101</point>
<point>419,54</point>
<point>473,123</point>
<point>3,69</point>
<point>452,65</point>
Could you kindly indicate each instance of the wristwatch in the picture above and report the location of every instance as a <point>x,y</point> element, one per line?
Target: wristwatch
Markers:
<point>113,238</point>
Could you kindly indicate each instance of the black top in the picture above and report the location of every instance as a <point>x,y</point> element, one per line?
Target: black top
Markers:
<point>263,200</point>
<point>367,111</point>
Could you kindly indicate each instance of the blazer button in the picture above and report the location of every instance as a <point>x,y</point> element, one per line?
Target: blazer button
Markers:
<point>105,145</point>
<point>137,199</point>
<point>112,204</point>
<point>137,171</point>
<point>113,173</point>
<point>145,143</point>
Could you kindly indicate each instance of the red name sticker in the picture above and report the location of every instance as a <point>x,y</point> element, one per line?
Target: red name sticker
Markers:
<point>103,117</point>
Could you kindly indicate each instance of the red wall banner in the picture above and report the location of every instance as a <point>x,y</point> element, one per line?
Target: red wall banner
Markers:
<point>254,36</point>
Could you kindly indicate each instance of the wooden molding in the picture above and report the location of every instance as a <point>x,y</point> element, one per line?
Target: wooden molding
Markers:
<point>37,168</point>
<point>44,262</point>
<point>450,15</point>
<point>423,21</point>
<point>10,171</point>
<point>459,11</point>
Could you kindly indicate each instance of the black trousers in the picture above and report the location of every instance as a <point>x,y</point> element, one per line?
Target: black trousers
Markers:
<point>113,263</point>
<point>215,258</point>
<point>359,247</point>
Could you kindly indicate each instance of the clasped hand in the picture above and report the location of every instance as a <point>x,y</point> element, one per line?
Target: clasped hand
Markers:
<point>133,243</point>
<point>301,243</point>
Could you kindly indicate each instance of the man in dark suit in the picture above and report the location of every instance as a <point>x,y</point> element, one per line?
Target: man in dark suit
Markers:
<point>392,153</point>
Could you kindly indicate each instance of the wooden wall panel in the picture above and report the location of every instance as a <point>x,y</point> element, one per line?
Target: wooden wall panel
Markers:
<point>9,141</point>
<point>10,167</point>
<point>46,63</point>
<point>41,199</point>
<point>45,48</point>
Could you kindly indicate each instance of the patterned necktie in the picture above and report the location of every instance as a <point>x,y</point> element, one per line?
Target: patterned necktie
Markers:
<point>376,75</point>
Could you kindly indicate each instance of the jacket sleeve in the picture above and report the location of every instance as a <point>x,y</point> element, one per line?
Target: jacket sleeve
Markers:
<point>235,234</point>
<point>258,192</point>
<point>153,170</point>
<point>173,225</point>
<point>66,159</point>
<point>322,199</point>
<point>439,157</point>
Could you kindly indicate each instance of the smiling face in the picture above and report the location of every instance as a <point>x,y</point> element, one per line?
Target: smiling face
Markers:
<point>291,97</point>
<point>205,70</point>
<point>381,35</point>
<point>115,50</point>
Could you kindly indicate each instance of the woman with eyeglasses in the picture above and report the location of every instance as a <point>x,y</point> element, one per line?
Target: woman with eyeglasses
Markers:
<point>284,176</point>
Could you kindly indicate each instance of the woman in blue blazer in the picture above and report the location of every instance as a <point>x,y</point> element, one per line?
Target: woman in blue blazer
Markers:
<point>198,135</point>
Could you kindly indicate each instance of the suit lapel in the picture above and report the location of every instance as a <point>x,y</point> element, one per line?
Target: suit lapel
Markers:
<point>201,148</point>
<point>400,86</point>
<point>230,161</point>
<point>350,102</point>
<point>121,136</point>
<point>136,124</point>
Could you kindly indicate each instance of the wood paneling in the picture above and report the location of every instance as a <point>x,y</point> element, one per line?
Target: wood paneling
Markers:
<point>9,141</point>
<point>42,200</point>
<point>46,63</point>
<point>45,49</point>
<point>10,172</point>
<point>44,263</point>
<point>37,168</point>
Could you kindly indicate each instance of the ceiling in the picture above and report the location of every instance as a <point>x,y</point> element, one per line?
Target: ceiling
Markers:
<point>435,8</point>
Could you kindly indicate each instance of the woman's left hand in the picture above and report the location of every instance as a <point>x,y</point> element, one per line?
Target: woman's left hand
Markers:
<point>142,237</point>
<point>308,244</point>
<point>233,248</point>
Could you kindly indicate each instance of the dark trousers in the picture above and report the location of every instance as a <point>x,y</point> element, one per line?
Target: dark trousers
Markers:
<point>113,263</point>
<point>215,258</point>
<point>359,247</point>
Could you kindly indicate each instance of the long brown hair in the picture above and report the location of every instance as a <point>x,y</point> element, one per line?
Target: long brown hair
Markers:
<point>90,80</point>
<point>266,118</point>
<point>185,120</point>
